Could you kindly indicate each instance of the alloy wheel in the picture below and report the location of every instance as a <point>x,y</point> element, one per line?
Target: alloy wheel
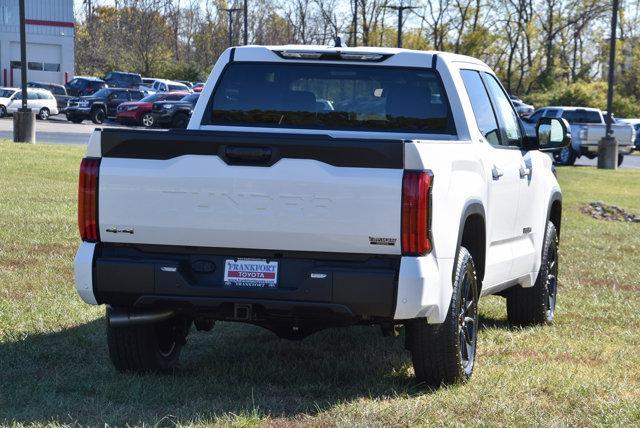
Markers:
<point>147,120</point>
<point>551,286</point>
<point>468,321</point>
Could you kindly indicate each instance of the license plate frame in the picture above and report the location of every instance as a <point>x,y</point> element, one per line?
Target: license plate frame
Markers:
<point>251,273</point>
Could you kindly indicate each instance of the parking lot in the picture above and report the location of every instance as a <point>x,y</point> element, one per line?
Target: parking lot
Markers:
<point>57,130</point>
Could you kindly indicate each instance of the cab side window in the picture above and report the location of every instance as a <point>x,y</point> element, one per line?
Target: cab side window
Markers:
<point>507,116</point>
<point>482,109</point>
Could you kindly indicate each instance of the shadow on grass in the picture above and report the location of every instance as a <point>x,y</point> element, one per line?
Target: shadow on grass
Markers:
<point>235,371</point>
<point>242,370</point>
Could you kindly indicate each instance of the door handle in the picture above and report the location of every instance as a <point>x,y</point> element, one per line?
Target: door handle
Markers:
<point>496,173</point>
<point>525,172</point>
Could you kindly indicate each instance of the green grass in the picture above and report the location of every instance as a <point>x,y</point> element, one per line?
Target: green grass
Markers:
<point>54,368</point>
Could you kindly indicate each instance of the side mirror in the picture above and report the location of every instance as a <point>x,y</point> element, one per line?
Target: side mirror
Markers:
<point>553,133</point>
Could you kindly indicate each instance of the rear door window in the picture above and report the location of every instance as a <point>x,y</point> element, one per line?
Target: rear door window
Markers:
<point>331,96</point>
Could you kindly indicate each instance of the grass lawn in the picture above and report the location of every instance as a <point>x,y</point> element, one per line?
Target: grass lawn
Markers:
<point>54,368</point>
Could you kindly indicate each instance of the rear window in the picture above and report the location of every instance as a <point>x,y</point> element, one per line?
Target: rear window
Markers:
<point>581,116</point>
<point>349,97</point>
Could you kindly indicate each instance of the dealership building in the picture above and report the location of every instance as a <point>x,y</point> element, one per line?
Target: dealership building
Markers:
<point>50,41</point>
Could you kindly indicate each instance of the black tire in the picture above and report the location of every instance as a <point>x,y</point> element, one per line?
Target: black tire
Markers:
<point>3,111</point>
<point>146,348</point>
<point>444,354</point>
<point>565,157</point>
<point>620,159</point>
<point>180,121</point>
<point>536,305</point>
<point>75,119</point>
<point>97,115</point>
<point>44,113</point>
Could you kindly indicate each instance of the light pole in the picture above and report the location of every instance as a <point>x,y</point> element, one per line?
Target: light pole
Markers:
<point>355,23</point>
<point>400,8</point>
<point>608,146</point>
<point>24,121</point>
<point>231,11</point>
<point>246,24</point>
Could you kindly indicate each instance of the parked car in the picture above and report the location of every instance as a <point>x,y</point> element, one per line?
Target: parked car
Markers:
<point>636,127</point>
<point>58,91</point>
<point>523,109</point>
<point>174,114</point>
<point>5,97</point>
<point>80,86</point>
<point>121,79</point>
<point>198,87</point>
<point>139,112</point>
<point>587,129</point>
<point>186,82</point>
<point>101,105</point>
<point>40,101</point>
<point>270,212</point>
<point>164,85</point>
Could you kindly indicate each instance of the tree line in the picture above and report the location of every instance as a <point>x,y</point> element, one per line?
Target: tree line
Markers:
<point>546,51</point>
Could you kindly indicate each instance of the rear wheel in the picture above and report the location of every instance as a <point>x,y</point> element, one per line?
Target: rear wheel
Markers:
<point>97,116</point>
<point>147,120</point>
<point>181,121</point>
<point>620,159</point>
<point>565,157</point>
<point>153,347</point>
<point>445,353</point>
<point>3,111</point>
<point>537,305</point>
<point>43,114</point>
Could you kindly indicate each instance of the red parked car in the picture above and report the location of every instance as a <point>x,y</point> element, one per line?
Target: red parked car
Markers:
<point>139,112</point>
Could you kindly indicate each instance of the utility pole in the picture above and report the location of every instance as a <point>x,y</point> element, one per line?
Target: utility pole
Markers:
<point>24,121</point>
<point>231,11</point>
<point>608,146</point>
<point>400,8</point>
<point>246,24</point>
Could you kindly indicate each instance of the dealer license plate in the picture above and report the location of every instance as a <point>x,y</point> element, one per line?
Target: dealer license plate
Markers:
<point>251,273</point>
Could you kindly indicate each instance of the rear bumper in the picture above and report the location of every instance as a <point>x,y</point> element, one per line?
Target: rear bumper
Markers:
<point>593,149</point>
<point>355,288</point>
<point>191,280</point>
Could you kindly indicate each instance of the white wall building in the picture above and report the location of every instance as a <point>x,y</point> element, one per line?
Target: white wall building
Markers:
<point>50,41</point>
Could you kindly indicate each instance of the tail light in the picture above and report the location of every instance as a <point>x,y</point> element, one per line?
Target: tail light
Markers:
<point>88,200</point>
<point>416,219</point>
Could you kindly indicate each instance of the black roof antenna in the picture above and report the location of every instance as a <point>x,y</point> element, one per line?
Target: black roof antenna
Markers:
<point>338,43</point>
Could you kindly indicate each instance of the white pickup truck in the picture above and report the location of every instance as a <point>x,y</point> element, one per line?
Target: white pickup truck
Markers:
<point>588,127</point>
<point>401,206</point>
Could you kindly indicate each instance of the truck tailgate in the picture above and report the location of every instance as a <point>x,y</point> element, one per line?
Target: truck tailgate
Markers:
<point>249,190</point>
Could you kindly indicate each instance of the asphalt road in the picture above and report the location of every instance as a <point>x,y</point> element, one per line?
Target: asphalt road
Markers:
<point>58,130</point>
<point>630,161</point>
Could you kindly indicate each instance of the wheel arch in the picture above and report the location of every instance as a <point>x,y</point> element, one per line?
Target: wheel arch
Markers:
<point>554,211</point>
<point>473,236</point>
